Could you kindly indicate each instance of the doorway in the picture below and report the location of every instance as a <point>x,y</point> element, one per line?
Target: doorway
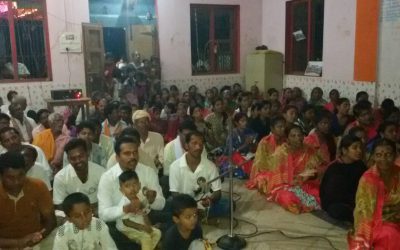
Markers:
<point>115,41</point>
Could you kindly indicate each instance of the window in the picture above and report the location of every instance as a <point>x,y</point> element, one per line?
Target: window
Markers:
<point>304,34</point>
<point>23,41</point>
<point>214,39</point>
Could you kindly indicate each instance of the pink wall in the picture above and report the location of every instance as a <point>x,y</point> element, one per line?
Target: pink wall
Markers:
<point>77,12</point>
<point>174,34</point>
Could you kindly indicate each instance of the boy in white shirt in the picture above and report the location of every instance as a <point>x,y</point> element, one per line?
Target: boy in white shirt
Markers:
<point>82,231</point>
<point>136,225</point>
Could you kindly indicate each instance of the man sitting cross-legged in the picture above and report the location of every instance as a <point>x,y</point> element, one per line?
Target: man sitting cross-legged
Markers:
<point>27,213</point>
<point>80,175</point>
<point>191,173</point>
<point>110,196</point>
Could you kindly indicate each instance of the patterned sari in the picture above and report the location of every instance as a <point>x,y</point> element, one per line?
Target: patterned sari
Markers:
<point>266,147</point>
<point>376,216</point>
<point>283,184</point>
<point>323,148</point>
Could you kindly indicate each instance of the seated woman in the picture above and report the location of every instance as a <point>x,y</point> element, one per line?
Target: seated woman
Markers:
<point>307,119</point>
<point>341,118</point>
<point>321,138</point>
<point>196,113</point>
<point>291,113</point>
<point>387,130</point>
<point>376,215</point>
<point>334,96</point>
<point>339,184</point>
<point>260,119</point>
<point>243,142</point>
<point>265,149</point>
<point>316,98</point>
<point>292,180</point>
<point>216,124</point>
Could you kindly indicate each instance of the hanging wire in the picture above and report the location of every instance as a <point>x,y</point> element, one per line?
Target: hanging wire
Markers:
<point>197,34</point>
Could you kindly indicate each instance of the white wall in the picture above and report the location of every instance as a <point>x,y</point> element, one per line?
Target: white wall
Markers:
<point>389,53</point>
<point>77,11</point>
<point>175,48</point>
<point>338,47</point>
<point>339,34</point>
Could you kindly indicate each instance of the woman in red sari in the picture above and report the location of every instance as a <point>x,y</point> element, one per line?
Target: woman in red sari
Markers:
<point>321,137</point>
<point>377,216</point>
<point>294,174</point>
<point>266,147</point>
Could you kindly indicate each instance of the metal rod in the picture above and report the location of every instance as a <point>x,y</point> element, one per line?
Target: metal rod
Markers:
<point>230,152</point>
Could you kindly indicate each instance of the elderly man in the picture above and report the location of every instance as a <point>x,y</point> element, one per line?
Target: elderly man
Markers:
<point>20,121</point>
<point>151,143</point>
<point>52,141</point>
<point>27,213</point>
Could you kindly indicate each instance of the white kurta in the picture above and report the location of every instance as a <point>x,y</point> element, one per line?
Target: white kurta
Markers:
<point>95,237</point>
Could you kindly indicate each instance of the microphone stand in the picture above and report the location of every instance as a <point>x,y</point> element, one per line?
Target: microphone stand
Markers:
<point>230,241</point>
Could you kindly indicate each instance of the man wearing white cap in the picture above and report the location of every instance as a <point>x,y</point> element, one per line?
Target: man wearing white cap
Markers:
<point>152,143</point>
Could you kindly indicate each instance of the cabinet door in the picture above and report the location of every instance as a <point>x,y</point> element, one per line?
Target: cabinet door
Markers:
<point>255,71</point>
<point>94,56</point>
<point>274,71</point>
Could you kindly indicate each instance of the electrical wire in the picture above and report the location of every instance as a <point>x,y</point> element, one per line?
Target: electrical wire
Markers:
<point>69,70</point>
<point>258,233</point>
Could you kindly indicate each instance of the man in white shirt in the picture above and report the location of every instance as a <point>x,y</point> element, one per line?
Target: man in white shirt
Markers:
<point>109,194</point>
<point>152,143</point>
<point>113,125</point>
<point>144,158</point>
<point>10,140</point>
<point>78,176</point>
<point>21,122</point>
<point>10,96</point>
<point>191,173</point>
<point>175,148</point>
<point>86,130</point>
<point>33,168</point>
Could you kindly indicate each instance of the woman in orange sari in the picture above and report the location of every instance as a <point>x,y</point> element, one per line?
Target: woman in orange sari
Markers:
<point>266,147</point>
<point>294,174</point>
<point>321,137</point>
<point>377,216</point>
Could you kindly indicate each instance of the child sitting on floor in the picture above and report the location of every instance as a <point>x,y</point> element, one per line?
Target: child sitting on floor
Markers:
<point>186,230</point>
<point>82,231</point>
<point>136,226</point>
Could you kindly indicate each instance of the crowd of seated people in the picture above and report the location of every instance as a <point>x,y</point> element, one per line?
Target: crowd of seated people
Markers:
<point>133,174</point>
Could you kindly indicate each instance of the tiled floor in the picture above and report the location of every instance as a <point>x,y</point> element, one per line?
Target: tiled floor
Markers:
<point>267,216</point>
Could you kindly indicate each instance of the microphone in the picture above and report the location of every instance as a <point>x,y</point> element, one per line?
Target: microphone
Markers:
<point>231,168</point>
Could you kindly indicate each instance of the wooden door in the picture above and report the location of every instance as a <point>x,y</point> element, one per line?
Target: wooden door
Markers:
<point>93,45</point>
